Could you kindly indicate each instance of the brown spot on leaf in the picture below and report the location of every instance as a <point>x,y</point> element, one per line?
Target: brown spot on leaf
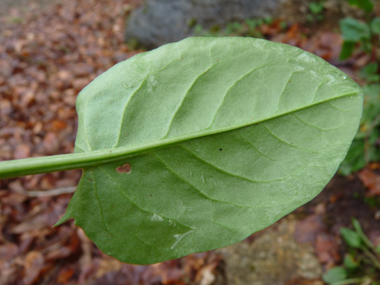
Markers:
<point>126,168</point>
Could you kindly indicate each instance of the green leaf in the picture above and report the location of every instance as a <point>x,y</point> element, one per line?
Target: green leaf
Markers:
<point>374,136</point>
<point>355,159</point>
<point>316,8</point>
<point>361,234</point>
<point>366,45</point>
<point>354,30</point>
<point>370,72</point>
<point>372,93</point>
<point>334,275</point>
<point>350,262</point>
<point>351,237</point>
<point>371,105</point>
<point>375,25</point>
<point>359,155</point>
<point>347,50</point>
<point>268,20</point>
<point>365,5</point>
<point>198,144</point>
<point>357,226</point>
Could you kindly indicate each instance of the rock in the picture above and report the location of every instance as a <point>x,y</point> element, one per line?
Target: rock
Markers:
<point>274,257</point>
<point>159,22</point>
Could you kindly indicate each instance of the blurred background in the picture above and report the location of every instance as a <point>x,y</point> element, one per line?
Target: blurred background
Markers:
<point>51,49</point>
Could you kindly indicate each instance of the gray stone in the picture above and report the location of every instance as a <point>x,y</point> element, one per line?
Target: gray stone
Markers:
<point>274,257</point>
<point>159,22</point>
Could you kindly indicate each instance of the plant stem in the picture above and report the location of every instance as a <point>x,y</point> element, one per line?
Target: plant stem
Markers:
<point>38,165</point>
<point>49,193</point>
<point>372,257</point>
<point>364,238</point>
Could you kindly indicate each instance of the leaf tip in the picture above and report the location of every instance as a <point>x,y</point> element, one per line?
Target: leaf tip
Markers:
<point>64,218</point>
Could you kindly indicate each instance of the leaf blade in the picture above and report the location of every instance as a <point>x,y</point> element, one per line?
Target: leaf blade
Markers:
<point>223,138</point>
<point>365,5</point>
<point>354,30</point>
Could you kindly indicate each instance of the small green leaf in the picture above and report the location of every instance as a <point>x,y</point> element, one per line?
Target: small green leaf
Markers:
<point>375,25</point>
<point>350,262</point>
<point>347,50</point>
<point>372,93</point>
<point>361,234</point>
<point>365,5</point>
<point>268,20</point>
<point>372,105</point>
<point>370,72</point>
<point>316,8</point>
<point>378,248</point>
<point>351,237</point>
<point>355,159</point>
<point>374,136</point>
<point>366,45</point>
<point>357,226</point>
<point>252,23</point>
<point>354,30</point>
<point>334,275</point>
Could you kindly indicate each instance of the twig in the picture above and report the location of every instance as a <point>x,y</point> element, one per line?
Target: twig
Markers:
<point>49,193</point>
<point>372,257</point>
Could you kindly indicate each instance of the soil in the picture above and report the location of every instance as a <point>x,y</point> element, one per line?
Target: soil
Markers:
<point>344,198</point>
<point>295,250</point>
<point>334,10</point>
<point>6,6</point>
<point>297,11</point>
<point>274,257</point>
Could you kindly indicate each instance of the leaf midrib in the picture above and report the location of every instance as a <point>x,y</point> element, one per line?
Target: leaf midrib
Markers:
<point>29,166</point>
<point>138,149</point>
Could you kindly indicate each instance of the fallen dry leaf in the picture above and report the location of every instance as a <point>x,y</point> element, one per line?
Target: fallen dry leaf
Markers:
<point>308,228</point>
<point>34,263</point>
<point>370,180</point>
<point>8,251</point>
<point>327,249</point>
<point>46,57</point>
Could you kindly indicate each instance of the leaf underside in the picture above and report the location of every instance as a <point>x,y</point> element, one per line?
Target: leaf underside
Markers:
<point>232,134</point>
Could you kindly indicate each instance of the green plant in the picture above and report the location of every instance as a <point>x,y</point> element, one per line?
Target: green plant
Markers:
<point>373,201</point>
<point>365,147</point>
<point>16,20</point>
<point>364,36</point>
<point>316,11</point>
<point>248,28</point>
<point>366,5</point>
<point>361,263</point>
<point>198,144</point>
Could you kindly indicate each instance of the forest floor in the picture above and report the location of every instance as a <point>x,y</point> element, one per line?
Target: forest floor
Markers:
<point>48,53</point>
